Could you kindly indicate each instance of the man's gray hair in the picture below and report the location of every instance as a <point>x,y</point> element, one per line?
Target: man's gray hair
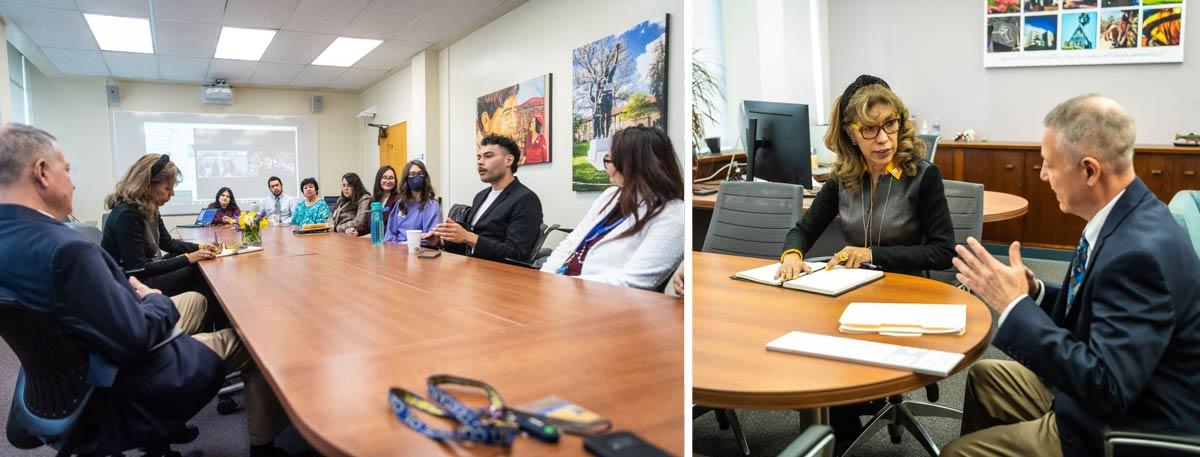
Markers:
<point>20,146</point>
<point>1094,125</point>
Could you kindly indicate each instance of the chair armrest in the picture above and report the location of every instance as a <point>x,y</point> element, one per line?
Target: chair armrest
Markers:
<point>134,271</point>
<point>519,263</point>
<point>1122,442</point>
<point>810,443</point>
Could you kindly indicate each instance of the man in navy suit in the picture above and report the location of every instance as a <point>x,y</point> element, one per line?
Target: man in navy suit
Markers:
<point>1117,345</point>
<point>142,395</point>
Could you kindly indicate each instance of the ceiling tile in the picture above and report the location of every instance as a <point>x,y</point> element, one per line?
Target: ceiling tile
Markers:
<point>356,78</point>
<point>126,8</point>
<point>296,47</point>
<point>177,68</point>
<point>314,76</point>
<point>275,73</point>
<point>61,4</point>
<point>383,18</point>
<point>324,16</point>
<point>192,39</point>
<point>132,65</point>
<point>52,28</point>
<point>234,71</point>
<point>263,14</point>
<point>449,19</point>
<point>391,54</point>
<point>190,10</point>
<point>76,62</point>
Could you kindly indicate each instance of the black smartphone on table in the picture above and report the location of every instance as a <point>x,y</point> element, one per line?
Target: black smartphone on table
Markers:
<point>621,444</point>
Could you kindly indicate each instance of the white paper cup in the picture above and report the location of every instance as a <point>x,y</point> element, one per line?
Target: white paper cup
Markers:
<point>413,238</point>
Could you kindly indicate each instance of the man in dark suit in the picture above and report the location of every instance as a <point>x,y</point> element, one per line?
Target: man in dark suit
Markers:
<point>1117,344</point>
<point>505,219</point>
<point>142,396</point>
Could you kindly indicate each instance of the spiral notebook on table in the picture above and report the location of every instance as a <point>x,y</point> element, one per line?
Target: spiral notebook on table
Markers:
<point>238,250</point>
<point>834,282</point>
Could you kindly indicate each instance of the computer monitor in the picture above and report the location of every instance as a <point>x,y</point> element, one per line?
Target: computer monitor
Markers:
<point>777,143</point>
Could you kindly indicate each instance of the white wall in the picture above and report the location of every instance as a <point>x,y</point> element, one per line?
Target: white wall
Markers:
<point>537,38</point>
<point>932,56</point>
<point>76,111</point>
<point>392,99</point>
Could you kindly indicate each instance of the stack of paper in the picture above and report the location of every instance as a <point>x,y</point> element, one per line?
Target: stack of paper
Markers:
<point>832,282</point>
<point>239,250</point>
<point>904,319</point>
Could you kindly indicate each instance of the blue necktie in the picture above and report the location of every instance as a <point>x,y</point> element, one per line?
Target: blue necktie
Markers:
<point>1077,270</point>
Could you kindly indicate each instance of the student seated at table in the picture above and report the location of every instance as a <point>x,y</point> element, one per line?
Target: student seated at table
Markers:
<point>55,272</point>
<point>226,206</point>
<point>505,219</point>
<point>134,233</point>
<point>352,212</point>
<point>891,202</point>
<point>417,207</point>
<point>385,192</point>
<point>312,209</point>
<point>633,234</point>
<point>278,205</point>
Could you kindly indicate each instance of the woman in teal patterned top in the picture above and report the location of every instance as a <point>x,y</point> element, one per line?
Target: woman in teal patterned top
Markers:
<point>311,210</point>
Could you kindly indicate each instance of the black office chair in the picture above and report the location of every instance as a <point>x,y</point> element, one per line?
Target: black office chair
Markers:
<point>50,402</point>
<point>539,254</point>
<point>1119,443</point>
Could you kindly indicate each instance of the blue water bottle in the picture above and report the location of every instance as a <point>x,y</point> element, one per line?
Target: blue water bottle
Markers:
<point>376,223</point>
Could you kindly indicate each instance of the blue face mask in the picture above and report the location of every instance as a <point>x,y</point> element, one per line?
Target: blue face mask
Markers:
<point>416,183</point>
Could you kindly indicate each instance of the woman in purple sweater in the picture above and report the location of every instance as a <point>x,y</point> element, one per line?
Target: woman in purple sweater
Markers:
<point>226,206</point>
<point>417,208</point>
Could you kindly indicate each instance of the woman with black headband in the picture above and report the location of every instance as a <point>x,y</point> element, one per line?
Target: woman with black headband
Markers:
<point>134,233</point>
<point>891,201</point>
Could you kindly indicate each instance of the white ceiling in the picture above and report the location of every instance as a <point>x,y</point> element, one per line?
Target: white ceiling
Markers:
<point>186,31</point>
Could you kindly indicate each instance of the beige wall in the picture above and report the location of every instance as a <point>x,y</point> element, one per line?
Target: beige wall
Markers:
<point>392,98</point>
<point>75,110</point>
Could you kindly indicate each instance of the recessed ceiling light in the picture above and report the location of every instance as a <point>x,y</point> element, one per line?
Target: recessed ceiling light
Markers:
<point>125,34</point>
<point>344,52</point>
<point>243,44</point>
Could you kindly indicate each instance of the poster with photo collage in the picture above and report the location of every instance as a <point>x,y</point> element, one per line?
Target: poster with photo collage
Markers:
<point>1029,33</point>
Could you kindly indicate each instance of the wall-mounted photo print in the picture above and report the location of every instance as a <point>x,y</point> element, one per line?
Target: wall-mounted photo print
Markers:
<point>1040,33</point>
<point>1003,34</point>
<point>1119,3</point>
<point>1079,31</point>
<point>1078,4</point>
<point>1119,29</point>
<point>1003,6</point>
<point>1037,6</point>
<point>1162,27</point>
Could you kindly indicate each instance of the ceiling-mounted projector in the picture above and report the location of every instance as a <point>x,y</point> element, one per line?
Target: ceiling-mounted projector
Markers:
<point>218,93</point>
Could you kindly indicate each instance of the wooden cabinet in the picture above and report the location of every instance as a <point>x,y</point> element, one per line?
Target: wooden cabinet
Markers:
<point>1015,168</point>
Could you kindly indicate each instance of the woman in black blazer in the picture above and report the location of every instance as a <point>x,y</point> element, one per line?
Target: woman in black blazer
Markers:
<point>134,233</point>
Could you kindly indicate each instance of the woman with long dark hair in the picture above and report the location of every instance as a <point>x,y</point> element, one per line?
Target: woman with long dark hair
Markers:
<point>633,234</point>
<point>226,206</point>
<point>385,191</point>
<point>417,207</point>
<point>353,208</point>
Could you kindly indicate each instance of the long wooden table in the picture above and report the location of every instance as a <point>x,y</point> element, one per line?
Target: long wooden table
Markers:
<point>732,321</point>
<point>334,321</point>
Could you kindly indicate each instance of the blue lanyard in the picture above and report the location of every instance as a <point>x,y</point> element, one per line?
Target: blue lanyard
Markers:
<point>494,424</point>
<point>599,230</point>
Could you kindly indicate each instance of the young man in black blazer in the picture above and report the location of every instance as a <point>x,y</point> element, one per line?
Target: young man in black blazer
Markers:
<point>506,218</point>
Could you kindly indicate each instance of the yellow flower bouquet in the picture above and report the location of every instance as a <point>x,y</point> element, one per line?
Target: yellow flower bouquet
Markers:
<point>251,223</point>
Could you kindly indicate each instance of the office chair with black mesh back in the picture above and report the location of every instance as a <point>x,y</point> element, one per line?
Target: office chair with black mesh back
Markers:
<point>931,144</point>
<point>537,255</point>
<point>1118,443</point>
<point>51,399</point>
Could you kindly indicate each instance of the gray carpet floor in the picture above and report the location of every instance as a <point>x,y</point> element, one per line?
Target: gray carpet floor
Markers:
<point>769,432</point>
<point>220,436</point>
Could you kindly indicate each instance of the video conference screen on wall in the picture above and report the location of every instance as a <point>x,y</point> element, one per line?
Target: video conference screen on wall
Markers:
<point>217,150</point>
<point>1021,33</point>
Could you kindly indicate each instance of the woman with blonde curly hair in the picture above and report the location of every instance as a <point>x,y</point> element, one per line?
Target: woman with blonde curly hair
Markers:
<point>891,201</point>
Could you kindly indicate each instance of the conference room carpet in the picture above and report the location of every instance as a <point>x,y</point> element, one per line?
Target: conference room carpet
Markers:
<point>220,436</point>
<point>769,432</point>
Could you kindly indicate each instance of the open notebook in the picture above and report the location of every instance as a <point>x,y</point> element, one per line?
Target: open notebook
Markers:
<point>903,319</point>
<point>833,282</point>
<point>239,250</point>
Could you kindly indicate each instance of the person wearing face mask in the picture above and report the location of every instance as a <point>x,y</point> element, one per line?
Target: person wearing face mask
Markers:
<point>312,209</point>
<point>416,208</point>
<point>891,202</point>
<point>633,234</point>
<point>505,218</point>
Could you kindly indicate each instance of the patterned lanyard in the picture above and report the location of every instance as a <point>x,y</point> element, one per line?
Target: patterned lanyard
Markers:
<point>494,424</point>
<point>598,231</point>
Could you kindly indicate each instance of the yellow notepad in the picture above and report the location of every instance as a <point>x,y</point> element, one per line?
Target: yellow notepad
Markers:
<point>904,319</point>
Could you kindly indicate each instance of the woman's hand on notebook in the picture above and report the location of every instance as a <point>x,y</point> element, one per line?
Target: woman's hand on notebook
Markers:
<point>850,256</point>
<point>792,267</point>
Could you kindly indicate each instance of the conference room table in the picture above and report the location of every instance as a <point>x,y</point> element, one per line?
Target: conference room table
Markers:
<point>334,321</point>
<point>732,321</point>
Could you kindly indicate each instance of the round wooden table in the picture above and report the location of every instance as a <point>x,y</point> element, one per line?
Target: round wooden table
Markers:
<point>733,321</point>
<point>999,206</point>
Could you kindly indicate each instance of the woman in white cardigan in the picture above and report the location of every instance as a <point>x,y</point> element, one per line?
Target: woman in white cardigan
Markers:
<point>633,234</point>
